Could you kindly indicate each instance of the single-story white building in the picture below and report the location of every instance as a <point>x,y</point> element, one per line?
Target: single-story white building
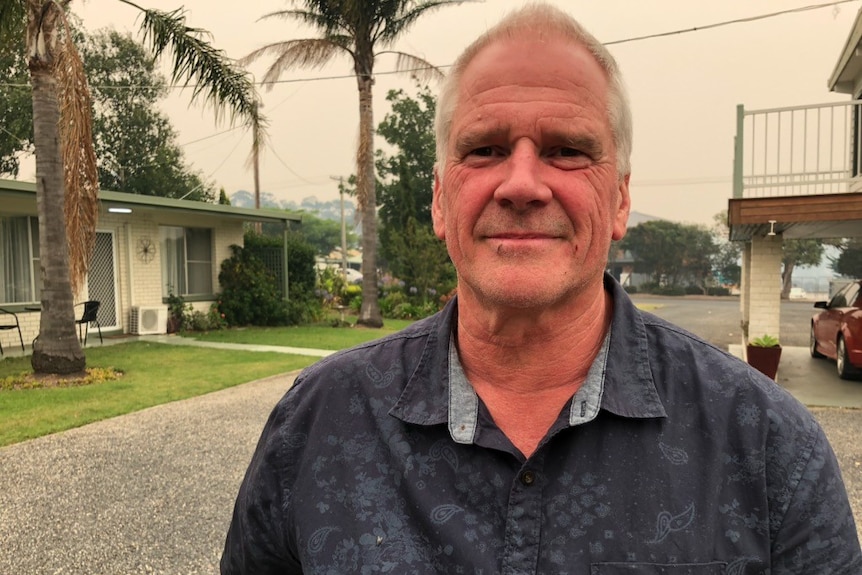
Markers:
<point>146,247</point>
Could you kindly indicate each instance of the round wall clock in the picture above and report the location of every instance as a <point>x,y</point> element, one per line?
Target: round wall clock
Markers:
<point>146,250</point>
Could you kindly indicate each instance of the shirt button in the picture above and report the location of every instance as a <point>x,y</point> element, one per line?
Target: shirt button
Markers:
<point>528,478</point>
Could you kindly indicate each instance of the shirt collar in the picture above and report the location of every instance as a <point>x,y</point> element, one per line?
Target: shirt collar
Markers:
<point>619,380</point>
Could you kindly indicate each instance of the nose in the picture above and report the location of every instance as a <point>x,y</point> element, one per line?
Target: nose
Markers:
<point>522,187</point>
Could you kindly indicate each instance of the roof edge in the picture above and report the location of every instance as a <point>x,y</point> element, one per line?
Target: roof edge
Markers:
<point>105,196</point>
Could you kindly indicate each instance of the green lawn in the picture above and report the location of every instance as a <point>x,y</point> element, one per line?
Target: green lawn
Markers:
<point>152,374</point>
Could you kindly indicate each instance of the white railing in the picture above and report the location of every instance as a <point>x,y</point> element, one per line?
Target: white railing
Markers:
<point>802,150</point>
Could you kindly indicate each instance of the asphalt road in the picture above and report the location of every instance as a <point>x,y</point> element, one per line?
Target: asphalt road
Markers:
<point>716,319</point>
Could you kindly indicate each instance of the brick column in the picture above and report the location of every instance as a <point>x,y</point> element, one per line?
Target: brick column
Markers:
<point>764,301</point>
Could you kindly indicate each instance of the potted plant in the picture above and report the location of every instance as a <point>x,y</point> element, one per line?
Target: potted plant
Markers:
<point>763,354</point>
<point>176,311</point>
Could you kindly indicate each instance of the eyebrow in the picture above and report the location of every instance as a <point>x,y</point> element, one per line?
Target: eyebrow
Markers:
<point>472,139</point>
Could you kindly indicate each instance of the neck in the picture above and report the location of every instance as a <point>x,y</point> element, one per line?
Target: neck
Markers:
<point>527,366</point>
<point>528,350</point>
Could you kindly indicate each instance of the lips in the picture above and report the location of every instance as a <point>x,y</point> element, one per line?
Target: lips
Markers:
<point>522,235</point>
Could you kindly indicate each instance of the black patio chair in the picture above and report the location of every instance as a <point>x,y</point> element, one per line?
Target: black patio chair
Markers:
<point>9,320</point>
<point>91,309</point>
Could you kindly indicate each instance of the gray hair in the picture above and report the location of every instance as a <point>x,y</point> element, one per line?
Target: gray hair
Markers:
<point>541,21</point>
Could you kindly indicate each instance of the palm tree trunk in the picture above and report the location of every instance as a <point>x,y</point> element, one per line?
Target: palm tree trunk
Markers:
<point>57,349</point>
<point>369,313</point>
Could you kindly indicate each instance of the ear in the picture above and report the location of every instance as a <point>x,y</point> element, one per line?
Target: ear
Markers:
<point>438,210</point>
<point>622,216</point>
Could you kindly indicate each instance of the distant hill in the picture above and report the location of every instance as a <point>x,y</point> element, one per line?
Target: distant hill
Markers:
<point>330,210</point>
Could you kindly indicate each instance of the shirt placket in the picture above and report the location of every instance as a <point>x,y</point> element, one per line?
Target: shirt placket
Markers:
<point>524,520</point>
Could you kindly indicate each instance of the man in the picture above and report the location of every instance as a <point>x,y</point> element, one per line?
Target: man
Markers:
<point>540,423</point>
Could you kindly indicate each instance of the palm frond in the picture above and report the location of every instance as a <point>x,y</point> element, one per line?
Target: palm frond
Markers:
<point>308,53</point>
<point>398,23</point>
<point>196,62</point>
<point>420,68</point>
<point>325,21</point>
<point>79,157</point>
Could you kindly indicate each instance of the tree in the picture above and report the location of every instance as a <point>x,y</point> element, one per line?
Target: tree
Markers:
<point>407,241</point>
<point>16,110</point>
<point>66,176</point>
<point>671,252</point>
<point>324,235</point>
<point>726,262</point>
<point>848,262</point>
<point>801,253</point>
<point>134,142</point>
<point>357,29</point>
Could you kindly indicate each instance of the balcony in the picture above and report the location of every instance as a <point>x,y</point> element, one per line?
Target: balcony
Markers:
<point>804,150</point>
<point>798,172</point>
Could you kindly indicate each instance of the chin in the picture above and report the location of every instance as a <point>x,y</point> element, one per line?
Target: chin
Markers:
<point>517,294</point>
<point>525,287</point>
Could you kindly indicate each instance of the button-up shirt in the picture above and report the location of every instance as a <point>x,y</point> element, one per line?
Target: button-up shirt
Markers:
<point>672,458</point>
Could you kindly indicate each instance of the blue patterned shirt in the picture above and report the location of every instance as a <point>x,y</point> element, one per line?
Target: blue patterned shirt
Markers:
<point>673,458</point>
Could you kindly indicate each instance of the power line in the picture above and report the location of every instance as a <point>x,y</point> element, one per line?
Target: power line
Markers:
<point>289,169</point>
<point>611,43</point>
<point>729,22</point>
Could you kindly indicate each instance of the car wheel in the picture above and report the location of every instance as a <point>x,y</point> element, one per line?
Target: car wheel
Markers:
<point>845,369</point>
<point>812,345</point>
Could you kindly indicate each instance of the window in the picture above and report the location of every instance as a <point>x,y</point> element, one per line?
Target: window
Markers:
<point>20,281</point>
<point>187,267</point>
<point>846,296</point>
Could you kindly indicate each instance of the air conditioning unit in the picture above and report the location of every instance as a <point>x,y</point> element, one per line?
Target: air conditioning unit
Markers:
<point>148,320</point>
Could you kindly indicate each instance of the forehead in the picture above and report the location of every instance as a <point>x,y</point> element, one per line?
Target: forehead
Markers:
<point>556,77</point>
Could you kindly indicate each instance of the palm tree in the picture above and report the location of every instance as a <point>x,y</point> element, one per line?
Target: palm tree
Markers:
<point>66,178</point>
<point>355,28</point>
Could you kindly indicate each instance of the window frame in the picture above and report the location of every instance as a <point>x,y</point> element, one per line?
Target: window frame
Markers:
<point>184,263</point>
<point>33,259</point>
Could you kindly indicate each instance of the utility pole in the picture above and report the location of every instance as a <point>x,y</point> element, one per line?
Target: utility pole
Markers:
<point>340,181</point>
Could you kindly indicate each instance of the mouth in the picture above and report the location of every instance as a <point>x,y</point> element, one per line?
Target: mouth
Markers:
<point>521,243</point>
<point>521,236</point>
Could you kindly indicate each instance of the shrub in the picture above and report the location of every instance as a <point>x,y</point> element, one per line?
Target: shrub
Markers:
<point>668,290</point>
<point>350,294</point>
<point>250,295</point>
<point>718,290</point>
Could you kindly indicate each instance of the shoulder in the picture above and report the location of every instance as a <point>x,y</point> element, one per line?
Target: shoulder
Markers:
<point>375,370</point>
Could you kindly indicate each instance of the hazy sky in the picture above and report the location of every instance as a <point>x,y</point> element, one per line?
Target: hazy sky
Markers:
<point>684,88</point>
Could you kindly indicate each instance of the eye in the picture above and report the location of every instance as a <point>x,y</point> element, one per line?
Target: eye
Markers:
<point>484,151</point>
<point>570,153</point>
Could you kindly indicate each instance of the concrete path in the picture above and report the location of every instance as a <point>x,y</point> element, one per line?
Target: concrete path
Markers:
<point>148,492</point>
<point>176,340</point>
<point>814,382</point>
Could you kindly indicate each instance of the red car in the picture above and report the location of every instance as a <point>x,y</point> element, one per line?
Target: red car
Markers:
<point>836,330</point>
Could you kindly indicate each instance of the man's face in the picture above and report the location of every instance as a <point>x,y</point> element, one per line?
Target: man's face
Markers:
<point>529,197</point>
